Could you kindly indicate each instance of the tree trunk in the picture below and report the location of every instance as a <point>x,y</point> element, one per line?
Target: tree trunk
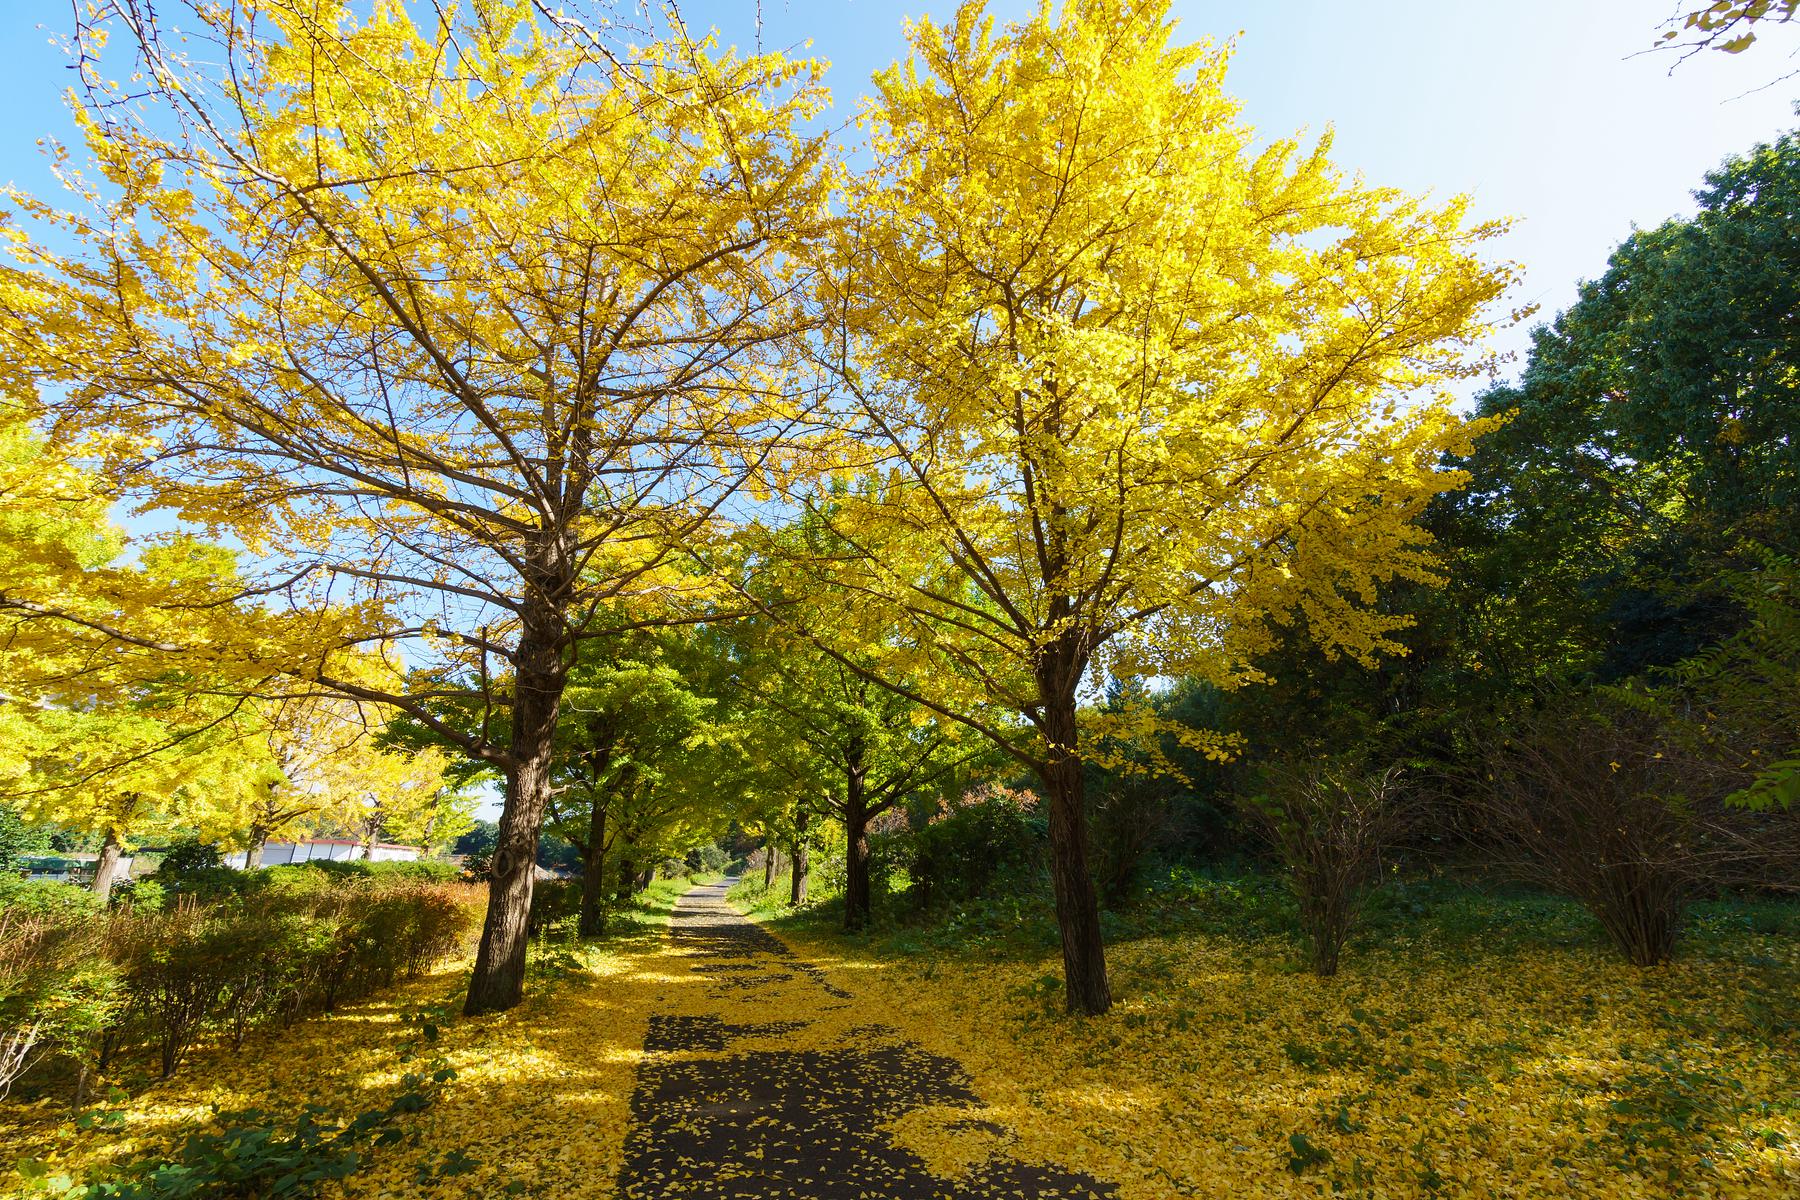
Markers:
<point>768,864</point>
<point>797,886</point>
<point>254,851</point>
<point>108,864</point>
<point>627,876</point>
<point>1077,912</point>
<point>593,875</point>
<point>498,981</point>
<point>857,904</point>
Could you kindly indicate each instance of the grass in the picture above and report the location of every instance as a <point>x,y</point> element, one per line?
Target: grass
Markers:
<point>1442,915</point>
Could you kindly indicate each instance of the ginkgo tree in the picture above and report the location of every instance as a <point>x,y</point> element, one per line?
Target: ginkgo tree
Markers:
<point>167,762</point>
<point>458,318</point>
<point>1151,391</point>
<point>633,724</point>
<point>101,734</point>
<point>837,745</point>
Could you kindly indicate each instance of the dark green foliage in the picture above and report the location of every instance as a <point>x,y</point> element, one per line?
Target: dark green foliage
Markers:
<point>17,839</point>
<point>984,840</point>
<point>555,904</point>
<point>189,855</point>
<point>710,859</point>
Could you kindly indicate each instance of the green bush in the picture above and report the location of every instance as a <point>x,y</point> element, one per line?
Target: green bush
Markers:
<point>139,895</point>
<point>424,870</point>
<point>962,854</point>
<point>45,896</point>
<point>205,884</point>
<point>57,988</point>
<point>554,902</point>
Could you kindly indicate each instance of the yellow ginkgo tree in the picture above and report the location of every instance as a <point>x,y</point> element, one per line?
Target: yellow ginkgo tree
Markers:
<point>459,316</point>
<point>1150,390</point>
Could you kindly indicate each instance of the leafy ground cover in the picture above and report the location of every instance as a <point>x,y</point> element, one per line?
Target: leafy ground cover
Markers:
<point>559,1068</point>
<point>1521,1061</point>
<point>1476,1042</point>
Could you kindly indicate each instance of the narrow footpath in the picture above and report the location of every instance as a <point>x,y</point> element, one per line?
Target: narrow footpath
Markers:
<point>781,1086</point>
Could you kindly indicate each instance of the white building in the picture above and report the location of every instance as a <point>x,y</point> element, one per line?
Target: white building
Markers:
<point>280,854</point>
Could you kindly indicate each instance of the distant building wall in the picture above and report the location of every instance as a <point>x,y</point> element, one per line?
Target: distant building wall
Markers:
<point>280,854</point>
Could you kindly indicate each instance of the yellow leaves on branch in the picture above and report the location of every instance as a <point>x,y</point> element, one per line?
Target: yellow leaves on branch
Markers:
<point>448,317</point>
<point>1149,388</point>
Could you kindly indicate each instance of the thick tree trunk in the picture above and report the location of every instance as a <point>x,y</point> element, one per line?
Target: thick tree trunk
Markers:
<point>108,865</point>
<point>797,885</point>
<point>593,876</point>
<point>253,853</point>
<point>857,905</point>
<point>1077,912</point>
<point>498,981</point>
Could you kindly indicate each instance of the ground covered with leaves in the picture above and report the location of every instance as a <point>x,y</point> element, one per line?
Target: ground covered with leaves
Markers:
<point>1519,1061</point>
<point>1472,1045</point>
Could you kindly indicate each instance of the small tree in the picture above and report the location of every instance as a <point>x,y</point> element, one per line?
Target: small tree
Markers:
<point>1330,825</point>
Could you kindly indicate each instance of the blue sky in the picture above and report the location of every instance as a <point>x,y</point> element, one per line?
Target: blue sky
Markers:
<point>1536,107</point>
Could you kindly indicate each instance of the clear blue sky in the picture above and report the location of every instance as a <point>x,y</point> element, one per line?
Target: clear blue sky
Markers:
<point>1536,107</point>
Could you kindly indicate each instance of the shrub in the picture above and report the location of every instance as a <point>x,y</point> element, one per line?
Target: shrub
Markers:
<point>46,896</point>
<point>189,854</point>
<point>554,902</point>
<point>173,979</point>
<point>139,895</point>
<point>1329,826</point>
<point>988,835</point>
<point>305,943</point>
<point>206,884</point>
<point>1593,802</point>
<point>57,988</point>
<point>423,870</point>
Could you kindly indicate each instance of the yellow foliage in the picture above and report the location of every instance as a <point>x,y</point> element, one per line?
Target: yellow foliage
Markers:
<point>1147,392</point>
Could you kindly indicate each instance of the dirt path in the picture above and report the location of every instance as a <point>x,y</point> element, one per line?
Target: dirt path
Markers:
<point>781,1086</point>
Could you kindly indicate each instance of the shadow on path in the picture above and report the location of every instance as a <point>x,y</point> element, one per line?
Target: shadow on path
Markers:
<point>729,1110</point>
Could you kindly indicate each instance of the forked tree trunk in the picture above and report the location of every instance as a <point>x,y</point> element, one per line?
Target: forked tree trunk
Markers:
<point>593,876</point>
<point>856,841</point>
<point>498,981</point>
<point>107,865</point>
<point>797,886</point>
<point>1077,911</point>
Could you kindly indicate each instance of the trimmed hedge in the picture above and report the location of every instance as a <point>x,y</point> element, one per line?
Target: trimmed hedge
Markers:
<point>219,963</point>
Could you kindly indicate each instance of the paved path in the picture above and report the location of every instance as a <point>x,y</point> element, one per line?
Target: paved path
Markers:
<point>768,1086</point>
